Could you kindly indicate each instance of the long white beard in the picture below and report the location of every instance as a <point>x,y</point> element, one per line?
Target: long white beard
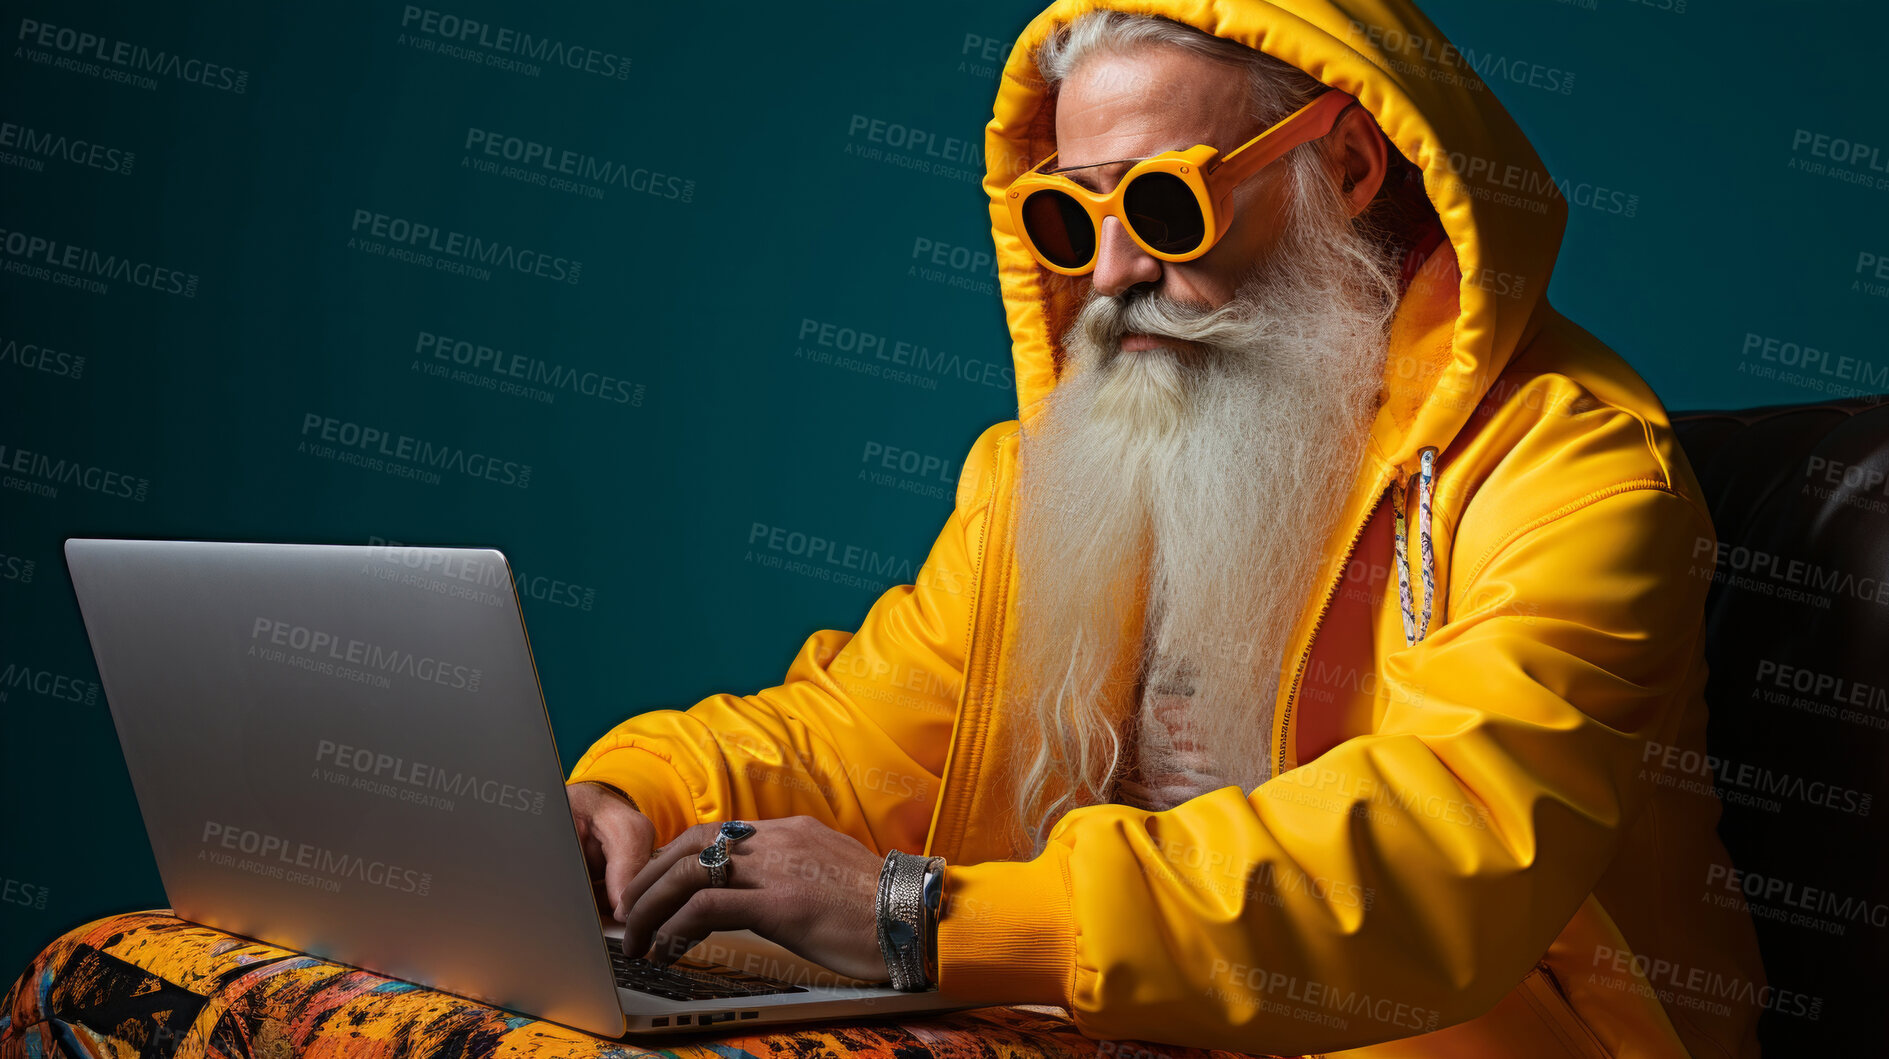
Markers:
<point>1199,480</point>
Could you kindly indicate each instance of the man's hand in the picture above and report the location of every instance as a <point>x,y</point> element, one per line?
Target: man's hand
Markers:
<point>795,881</point>
<point>617,841</point>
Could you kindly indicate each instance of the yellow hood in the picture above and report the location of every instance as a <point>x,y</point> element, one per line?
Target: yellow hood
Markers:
<point>1426,97</point>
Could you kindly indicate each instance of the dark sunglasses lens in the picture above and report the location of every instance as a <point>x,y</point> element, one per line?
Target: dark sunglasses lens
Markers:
<point>1165,212</point>
<point>1059,227</point>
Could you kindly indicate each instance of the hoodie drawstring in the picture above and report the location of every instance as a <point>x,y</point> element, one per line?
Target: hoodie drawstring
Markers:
<point>1414,628</point>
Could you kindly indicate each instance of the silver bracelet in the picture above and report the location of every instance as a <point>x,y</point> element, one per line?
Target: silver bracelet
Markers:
<point>903,939</point>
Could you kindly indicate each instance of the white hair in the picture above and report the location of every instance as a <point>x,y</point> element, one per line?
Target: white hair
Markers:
<point>1275,88</point>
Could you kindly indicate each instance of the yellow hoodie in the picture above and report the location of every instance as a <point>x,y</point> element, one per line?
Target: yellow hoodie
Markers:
<point>1477,841</point>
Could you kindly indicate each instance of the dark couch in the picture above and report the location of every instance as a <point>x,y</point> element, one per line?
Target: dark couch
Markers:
<point>1797,628</point>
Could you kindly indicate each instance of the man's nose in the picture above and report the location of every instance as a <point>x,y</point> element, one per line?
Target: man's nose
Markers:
<point>1119,262</point>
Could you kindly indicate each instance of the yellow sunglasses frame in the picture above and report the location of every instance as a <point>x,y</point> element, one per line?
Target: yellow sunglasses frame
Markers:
<point>1209,176</point>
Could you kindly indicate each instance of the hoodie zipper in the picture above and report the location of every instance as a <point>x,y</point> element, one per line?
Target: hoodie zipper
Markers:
<point>1284,724</point>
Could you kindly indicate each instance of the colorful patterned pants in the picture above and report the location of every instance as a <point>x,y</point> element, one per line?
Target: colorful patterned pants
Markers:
<point>147,984</point>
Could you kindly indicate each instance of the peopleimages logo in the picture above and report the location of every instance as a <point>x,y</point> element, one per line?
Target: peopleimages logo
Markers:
<point>919,150</point>
<point>544,164</point>
<point>42,475</point>
<point>1767,571</point>
<point>1874,266</point>
<point>35,256</point>
<point>373,447</point>
<point>908,470</point>
<point>1807,366</point>
<point>438,570</point>
<point>1840,159</point>
<point>814,548</point>
<point>1695,987</point>
<point>1824,685</point>
<point>303,863</point>
<point>44,682</point>
<point>824,338</point>
<point>316,642</point>
<point>80,46</point>
<point>1532,188</point>
<point>503,41</point>
<point>34,357</point>
<point>37,144</point>
<point>1813,901</point>
<point>537,375</point>
<point>1444,62</point>
<point>1313,1001</point>
<point>418,237</point>
<point>24,894</point>
<point>17,568</point>
<point>1744,783</point>
<point>422,777</point>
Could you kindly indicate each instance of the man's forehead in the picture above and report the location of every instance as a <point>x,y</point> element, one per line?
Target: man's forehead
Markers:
<point>1120,109</point>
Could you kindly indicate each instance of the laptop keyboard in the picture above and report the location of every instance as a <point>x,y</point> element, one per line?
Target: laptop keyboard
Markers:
<point>690,979</point>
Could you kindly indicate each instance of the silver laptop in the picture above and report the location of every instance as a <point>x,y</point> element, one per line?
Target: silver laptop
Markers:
<point>344,750</point>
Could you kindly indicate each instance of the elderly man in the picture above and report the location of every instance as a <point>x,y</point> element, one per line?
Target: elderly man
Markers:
<point>1293,674</point>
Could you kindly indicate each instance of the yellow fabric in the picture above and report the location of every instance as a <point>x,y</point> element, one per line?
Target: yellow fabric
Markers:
<point>1461,853</point>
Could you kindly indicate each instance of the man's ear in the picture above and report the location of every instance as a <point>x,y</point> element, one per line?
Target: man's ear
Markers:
<point>1362,157</point>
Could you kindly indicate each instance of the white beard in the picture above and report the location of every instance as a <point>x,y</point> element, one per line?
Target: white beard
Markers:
<point>1199,480</point>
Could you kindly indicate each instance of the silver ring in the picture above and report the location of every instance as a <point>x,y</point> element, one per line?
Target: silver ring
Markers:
<point>715,856</point>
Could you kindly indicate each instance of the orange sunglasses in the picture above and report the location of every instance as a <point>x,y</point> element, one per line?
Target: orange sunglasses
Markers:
<point>1175,205</point>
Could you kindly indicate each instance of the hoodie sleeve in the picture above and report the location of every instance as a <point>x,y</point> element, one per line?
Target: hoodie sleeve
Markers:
<point>855,735</point>
<point>1406,879</point>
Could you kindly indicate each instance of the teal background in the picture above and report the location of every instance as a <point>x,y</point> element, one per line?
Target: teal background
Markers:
<point>634,530</point>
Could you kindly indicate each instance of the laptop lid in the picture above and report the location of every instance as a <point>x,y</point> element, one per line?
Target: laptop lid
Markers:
<point>344,750</point>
